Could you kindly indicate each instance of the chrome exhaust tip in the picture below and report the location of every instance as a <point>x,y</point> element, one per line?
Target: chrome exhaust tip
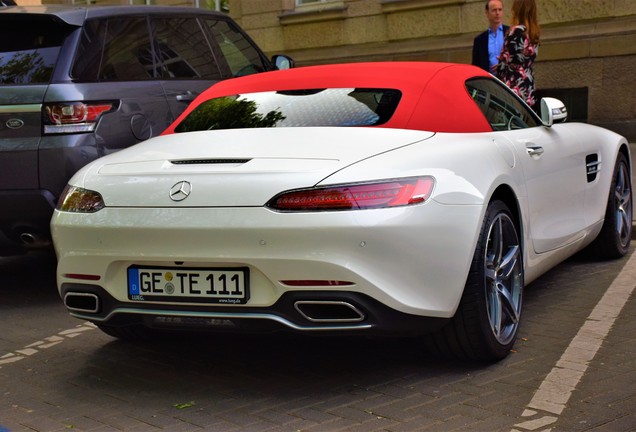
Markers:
<point>33,240</point>
<point>28,238</point>
<point>329,311</point>
<point>81,302</point>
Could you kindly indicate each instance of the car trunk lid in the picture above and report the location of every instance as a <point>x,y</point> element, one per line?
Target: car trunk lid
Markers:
<point>243,167</point>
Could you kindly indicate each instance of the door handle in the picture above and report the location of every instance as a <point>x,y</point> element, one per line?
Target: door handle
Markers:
<point>186,97</point>
<point>534,150</point>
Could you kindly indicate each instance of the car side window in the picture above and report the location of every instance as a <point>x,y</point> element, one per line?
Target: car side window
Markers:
<point>502,109</point>
<point>120,49</point>
<point>182,50</point>
<point>114,49</point>
<point>239,53</point>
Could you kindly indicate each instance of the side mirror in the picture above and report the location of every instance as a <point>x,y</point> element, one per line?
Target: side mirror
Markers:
<point>553,111</point>
<point>281,62</point>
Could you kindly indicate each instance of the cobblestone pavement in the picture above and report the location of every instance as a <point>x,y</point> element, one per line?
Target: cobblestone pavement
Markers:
<point>69,376</point>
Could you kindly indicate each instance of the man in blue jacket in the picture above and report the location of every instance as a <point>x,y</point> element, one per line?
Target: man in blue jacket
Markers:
<point>487,45</point>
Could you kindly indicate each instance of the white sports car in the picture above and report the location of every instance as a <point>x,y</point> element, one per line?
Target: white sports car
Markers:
<point>374,198</point>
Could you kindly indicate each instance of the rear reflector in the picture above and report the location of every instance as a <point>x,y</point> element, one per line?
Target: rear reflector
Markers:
<point>82,276</point>
<point>306,283</point>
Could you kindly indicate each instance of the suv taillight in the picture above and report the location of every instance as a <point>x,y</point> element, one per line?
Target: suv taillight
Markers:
<point>73,117</point>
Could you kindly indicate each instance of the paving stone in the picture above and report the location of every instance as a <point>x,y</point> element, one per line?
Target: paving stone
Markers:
<point>95,383</point>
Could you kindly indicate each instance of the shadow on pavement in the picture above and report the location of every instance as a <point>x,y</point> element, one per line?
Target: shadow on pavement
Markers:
<point>28,280</point>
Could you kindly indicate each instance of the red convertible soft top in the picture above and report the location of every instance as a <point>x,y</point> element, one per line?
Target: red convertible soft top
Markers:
<point>434,95</point>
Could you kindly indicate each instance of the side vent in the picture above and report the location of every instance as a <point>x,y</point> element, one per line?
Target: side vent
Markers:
<point>592,166</point>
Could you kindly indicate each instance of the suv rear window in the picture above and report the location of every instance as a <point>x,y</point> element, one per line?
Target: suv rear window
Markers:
<point>297,108</point>
<point>29,49</point>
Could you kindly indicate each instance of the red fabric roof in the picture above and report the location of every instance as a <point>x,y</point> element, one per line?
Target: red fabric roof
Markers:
<point>434,96</point>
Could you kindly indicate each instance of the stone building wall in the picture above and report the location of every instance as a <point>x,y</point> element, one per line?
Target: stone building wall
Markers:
<point>587,54</point>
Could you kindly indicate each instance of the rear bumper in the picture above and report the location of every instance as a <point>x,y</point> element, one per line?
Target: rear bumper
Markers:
<point>332,312</point>
<point>411,259</point>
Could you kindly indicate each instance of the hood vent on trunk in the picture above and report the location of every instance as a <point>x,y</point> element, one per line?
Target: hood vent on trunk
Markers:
<point>209,161</point>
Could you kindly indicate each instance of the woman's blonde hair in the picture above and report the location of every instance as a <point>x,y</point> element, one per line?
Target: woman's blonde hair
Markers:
<point>525,12</point>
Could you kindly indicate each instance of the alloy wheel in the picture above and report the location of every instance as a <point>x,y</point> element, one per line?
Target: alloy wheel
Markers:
<point>503,278</point>
<point>623,197</point>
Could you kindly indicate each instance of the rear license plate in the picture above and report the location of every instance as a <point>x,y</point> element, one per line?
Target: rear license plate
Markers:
<point>196,285</point>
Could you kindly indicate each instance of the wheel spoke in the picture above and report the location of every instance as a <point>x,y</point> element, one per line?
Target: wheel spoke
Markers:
<point>626,200</point>
<point>509,262</point>
<point>620,178</point>
<point>495,310</point>
<point>623,190</point>
<point>620,195</point>
<point>496,246</point>
<point>620,223</point>
<point>491,273</point>
<point>507,303</point>
<point>499,238</point>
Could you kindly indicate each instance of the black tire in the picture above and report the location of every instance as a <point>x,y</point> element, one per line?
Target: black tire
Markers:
<point>486,323</point>
<point>616,234</point>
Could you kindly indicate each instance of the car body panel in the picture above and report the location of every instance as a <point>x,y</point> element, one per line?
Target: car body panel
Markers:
<point>555,184</point>
<point>558,175</point>
<point>20,126</point>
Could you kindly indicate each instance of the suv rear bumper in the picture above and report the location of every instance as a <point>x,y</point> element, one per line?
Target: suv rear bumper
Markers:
<point>25,219</point>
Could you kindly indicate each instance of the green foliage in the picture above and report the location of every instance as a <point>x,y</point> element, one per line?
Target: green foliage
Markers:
<point>25,68</point>
<point>228,113</point>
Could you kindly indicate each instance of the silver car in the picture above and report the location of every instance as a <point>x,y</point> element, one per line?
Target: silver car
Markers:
<point>77,83</point>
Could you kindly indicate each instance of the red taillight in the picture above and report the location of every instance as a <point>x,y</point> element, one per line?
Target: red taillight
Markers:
<point>73,117</point>
<point>390,193</point>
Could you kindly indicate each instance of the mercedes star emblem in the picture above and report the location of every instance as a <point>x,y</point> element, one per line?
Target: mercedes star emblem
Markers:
<point>180,191</point>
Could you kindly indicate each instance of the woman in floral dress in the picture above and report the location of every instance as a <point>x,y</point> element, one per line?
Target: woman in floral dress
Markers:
<point>520,50</point>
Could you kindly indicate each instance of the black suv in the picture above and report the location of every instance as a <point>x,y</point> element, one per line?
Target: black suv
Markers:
<point>77,83</point>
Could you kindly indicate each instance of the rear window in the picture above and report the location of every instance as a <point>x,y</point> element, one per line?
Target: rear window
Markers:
<point>297,108</point>
<point>29,49</point>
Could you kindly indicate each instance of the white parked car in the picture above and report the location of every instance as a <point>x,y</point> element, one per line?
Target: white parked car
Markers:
<point>371,199</point>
